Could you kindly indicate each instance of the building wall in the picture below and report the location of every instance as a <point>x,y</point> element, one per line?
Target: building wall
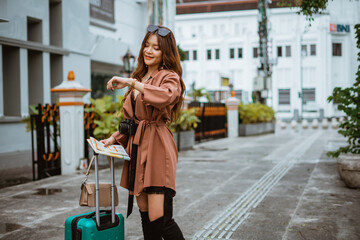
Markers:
<point>68,39</point>
<point>238,29</point>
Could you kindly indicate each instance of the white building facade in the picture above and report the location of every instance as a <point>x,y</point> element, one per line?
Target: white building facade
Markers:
<point>42,40</point>
<point>311,60</point>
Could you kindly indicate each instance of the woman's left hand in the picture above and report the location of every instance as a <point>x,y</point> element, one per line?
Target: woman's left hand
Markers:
<point>117,83</point>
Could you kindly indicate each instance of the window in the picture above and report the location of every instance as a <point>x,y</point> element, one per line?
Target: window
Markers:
<point>215,30</point>
<point>201,29</point>
<point>34,30</point>
<point>255,52</point>
<point>304,50</point>
<point>217,53</point>
<point>236,29</point>
<point>337,49</point>
<point>288,51</point>
<point>313,50</point>
<point>240,54</point>
<point>186,53</point>
<point>55,23</point>
<point>11,80</point>
<point>56,73</point>
<point>208,54</point>
<point>222,28</point>
<point>284,96</point>
<point>308,95</point>
<point>279,51</point>
<point>194,55</point>
<point>97,84</point>
<point>232,53</point>
<point>35,77</point>
<point>193,31</point>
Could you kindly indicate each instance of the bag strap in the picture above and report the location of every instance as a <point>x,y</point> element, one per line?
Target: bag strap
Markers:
<point>133,105</point>
<point>88,170</point>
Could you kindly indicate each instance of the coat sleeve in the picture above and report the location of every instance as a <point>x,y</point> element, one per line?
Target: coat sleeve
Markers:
<point>121,139</point>
<point>166,94</point>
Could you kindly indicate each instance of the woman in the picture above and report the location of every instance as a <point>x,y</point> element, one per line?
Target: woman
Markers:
<point>155,97</point>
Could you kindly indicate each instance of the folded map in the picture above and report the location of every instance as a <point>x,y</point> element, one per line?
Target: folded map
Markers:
<point>116,151</point>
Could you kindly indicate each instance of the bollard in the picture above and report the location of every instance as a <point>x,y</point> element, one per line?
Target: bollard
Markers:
<point>233,116</point>
<point>341,119</point>
<point>282,124</point>
<point>294,124</point>
<point>71,108</point>
<point>334,123</point>
<point>325,124</point>
<point>315,124</point>
<point>305,124</point>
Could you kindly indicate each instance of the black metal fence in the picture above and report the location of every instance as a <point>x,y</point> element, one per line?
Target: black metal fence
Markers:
<point>45,125</point>
<point>213,120</point>
<point>45,133</point>
<point>89,127</point>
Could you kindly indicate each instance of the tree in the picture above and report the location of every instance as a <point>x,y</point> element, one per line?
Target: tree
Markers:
<point>308,8</point>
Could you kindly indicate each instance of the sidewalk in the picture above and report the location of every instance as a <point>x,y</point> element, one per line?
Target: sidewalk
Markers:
<point>276,186</point>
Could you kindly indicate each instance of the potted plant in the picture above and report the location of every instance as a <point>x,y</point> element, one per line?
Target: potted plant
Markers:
<point>256,118</point>
<point>108,115</point>
<point>348,100</point>
<point>183,129</point>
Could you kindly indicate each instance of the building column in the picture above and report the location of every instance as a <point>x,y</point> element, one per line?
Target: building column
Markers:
<point>233,116</point>
<point>24,83</point>
<point>1,84</point>
<point>46,78</point>
<point>71,108</point>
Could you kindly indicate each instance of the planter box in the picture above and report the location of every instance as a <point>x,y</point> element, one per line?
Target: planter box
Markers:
<point>256,128</point>
<point>184,140</point>
<point>349,169</point>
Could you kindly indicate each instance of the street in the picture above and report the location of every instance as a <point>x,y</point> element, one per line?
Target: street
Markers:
<point>275,186</point>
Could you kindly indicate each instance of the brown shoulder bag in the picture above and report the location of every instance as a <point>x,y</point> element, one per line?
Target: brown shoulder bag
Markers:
<point>87,196</point>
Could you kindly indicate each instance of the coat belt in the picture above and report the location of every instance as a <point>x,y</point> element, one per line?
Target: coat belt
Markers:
<point>141,129</point>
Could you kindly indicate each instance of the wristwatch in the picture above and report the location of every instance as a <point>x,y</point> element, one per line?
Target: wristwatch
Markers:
<point>133,83</point>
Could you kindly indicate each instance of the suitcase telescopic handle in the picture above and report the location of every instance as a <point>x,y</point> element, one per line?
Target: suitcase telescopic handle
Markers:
<point>97,205</point>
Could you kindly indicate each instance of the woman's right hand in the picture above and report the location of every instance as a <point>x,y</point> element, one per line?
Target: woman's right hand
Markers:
<point>109,141</point>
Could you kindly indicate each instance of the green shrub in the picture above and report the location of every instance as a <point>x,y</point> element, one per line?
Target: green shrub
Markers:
<point>348,100</point>
<point>187,121</point>
<point>108,115</point>
<point>255,113</point>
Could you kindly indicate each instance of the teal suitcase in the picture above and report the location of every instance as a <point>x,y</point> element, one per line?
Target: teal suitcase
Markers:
<point>84,227</point>
<point>104,224</point>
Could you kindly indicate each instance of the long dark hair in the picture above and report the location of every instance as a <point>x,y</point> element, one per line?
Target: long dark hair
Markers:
<point>171,61</point>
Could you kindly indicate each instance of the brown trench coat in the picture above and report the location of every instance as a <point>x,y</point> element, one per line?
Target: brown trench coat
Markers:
<point>157,153</point>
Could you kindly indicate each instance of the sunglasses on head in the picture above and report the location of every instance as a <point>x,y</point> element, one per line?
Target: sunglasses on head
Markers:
<point>160,31</point>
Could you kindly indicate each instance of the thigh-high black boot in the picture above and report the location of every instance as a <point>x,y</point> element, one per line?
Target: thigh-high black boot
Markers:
<point>154,230</point>
<point>170,230</point>
<point>159,229</point>
<point>145,223</point>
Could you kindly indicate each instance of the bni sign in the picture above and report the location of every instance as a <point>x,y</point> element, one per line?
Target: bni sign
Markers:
<point>339,28</point>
